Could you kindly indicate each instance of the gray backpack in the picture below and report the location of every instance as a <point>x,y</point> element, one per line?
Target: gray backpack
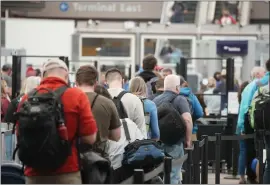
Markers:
<point>151,90</point>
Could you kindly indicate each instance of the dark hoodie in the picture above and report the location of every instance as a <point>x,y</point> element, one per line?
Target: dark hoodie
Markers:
<point>147,75</point>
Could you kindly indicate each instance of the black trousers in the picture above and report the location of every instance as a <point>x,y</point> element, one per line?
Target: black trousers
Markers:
<point>250,150</point>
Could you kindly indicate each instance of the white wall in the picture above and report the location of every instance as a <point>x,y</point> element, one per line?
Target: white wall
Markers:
<point>40,37</point>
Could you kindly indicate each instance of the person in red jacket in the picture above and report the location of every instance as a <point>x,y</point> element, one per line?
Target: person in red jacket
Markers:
<point>5,101</point>
<point>77,111</point>
<point>226,18</point>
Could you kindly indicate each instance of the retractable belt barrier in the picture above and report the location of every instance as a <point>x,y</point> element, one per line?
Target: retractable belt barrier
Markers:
<point>192,175</point>
<point>259,136</point>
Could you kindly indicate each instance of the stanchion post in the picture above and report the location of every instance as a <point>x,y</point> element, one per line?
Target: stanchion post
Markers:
<point>65,59</point>
<point>189,166</point>
<point>138,176</point>
<point>129,72</point>
<point>204,174</point>
<point>217,158</point>
<point>196,163</point>
<point>167,170</point>
<point>260,139</point>
<point>96,64</point>
<point>16,75</point>
<point>181,68</point>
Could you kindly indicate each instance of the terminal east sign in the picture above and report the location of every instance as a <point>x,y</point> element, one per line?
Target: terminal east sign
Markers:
<point>100,10</point>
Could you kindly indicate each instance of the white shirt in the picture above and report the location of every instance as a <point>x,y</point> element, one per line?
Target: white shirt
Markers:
<point>133,107</point>
<point>116,149</point>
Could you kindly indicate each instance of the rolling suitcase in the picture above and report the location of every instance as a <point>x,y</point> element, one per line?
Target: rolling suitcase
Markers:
<point>12,173</point>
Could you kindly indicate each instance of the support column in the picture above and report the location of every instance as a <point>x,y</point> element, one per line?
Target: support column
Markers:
<point>245,12</point>
<point>201,12</point>
<point>211,11</point>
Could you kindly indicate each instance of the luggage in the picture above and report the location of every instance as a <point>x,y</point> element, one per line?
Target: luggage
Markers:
<point>12,173</point>
<point>171,124</point>
<point>143,154</point>
<point>42,134</point>
<point>259,110</point>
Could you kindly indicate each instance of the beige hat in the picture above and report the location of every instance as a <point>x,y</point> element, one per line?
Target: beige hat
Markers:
<point>54,63</point>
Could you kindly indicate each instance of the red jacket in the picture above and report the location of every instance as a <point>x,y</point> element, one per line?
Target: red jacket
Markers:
<point>227,20</point>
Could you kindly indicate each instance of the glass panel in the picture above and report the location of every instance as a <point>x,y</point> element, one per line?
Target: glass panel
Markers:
<point>116,47</point>
<point>169,50</point>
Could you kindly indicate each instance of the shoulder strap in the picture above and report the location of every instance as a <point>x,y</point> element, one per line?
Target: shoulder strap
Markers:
<point>172,98</point>
<point>94,101</point>
<point>124,122</point>
<point>121,94</point>
<point>142,100</point>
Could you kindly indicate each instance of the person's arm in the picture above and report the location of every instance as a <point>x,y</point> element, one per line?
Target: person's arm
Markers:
<point>87,123</point>
<point>115,124</point>
<point>189,126</point>
<point>155,133</point>
<point>184,110</point>
<point>247,96</point>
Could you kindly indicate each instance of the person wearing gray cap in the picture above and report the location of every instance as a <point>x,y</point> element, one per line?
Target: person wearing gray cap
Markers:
<point>6,75</point>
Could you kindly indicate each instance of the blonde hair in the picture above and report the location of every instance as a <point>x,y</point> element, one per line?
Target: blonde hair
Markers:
<point>30,83</point>
<point>211,82</point>
<point>138,86</point>
<point>3,87</point>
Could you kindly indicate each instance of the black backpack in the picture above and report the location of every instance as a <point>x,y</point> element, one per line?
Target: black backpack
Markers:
<point>171,124</point>
<point>42,134</point>
<point>261,120</point>
<point>119,105</point>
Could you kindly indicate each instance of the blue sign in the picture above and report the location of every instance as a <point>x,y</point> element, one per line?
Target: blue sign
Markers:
<point>232,47</point>
<point>63,6</point>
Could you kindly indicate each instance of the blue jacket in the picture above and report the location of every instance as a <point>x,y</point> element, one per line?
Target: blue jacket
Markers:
<point>196,108</point>
<point>247,96</point>
<point>151,108</point>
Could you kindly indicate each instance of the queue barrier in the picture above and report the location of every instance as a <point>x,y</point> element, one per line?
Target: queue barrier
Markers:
<point>259,136</point>
<point>198,153</point>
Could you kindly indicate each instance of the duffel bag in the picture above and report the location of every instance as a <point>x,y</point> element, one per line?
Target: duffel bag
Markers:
<point>142,153</point>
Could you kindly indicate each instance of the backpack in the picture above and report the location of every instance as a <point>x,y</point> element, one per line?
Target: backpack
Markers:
<point>119,105</point>
<point>146,115</point>
<point>42,142</point>
<point>151,90</point>
<point>260,107</point>
<point>140,153</point>
<point>171,124</point>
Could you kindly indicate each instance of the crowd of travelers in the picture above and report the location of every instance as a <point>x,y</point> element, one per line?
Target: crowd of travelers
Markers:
<point>92,131</point>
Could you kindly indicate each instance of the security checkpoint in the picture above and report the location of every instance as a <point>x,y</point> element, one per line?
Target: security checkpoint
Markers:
<point>113,45</point>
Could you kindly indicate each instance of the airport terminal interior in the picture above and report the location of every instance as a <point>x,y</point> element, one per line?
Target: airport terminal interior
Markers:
<point>211,55</point>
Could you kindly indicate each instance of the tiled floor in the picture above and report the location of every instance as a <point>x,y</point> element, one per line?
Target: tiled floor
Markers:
<point>211,179</point>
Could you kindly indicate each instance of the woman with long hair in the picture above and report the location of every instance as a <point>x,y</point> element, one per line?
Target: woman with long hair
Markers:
<point>139,88</point>
<point>5,100</point>
<point>28,85</point>
<point>242,144</point>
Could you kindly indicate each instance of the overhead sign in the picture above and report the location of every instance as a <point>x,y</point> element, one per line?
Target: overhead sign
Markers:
<point>100,10</point>
<point>232,47</point>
